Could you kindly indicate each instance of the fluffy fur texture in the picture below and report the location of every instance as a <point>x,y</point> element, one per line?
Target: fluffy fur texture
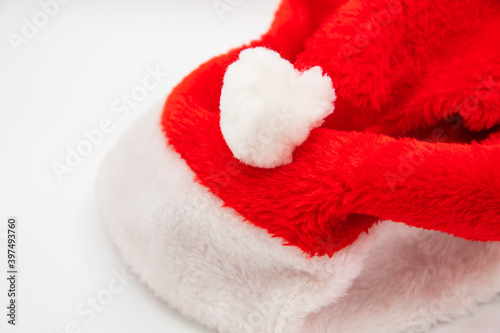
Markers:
<point>267,107</point>
<point>414,136</point>
<point>209,263</point>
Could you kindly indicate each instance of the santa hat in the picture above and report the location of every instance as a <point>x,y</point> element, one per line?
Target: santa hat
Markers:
<point>340,174</point>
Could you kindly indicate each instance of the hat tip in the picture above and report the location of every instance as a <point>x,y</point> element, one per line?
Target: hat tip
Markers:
<point>268,108</point>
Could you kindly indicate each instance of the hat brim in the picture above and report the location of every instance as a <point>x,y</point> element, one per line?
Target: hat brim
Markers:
<point>224,272</point>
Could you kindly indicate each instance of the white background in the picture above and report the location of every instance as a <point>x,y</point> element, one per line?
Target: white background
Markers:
<point>63,80</point>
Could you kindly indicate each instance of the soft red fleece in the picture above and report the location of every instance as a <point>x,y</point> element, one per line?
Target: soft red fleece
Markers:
<point>414,137</point>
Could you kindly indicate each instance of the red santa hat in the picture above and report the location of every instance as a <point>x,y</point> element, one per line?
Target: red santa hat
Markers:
<point>340,174</point>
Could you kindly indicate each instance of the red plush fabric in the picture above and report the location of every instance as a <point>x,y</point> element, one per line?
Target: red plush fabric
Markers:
<point>414,137</point>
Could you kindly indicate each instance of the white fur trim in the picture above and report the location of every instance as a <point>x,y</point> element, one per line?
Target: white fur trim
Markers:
<point>227,274</point>
<point>268,107</point>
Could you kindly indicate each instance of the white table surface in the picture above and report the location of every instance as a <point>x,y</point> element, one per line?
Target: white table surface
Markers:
<point>63,80</point>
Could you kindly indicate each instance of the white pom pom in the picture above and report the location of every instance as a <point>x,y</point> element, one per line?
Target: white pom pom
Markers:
<point>268,107</point>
